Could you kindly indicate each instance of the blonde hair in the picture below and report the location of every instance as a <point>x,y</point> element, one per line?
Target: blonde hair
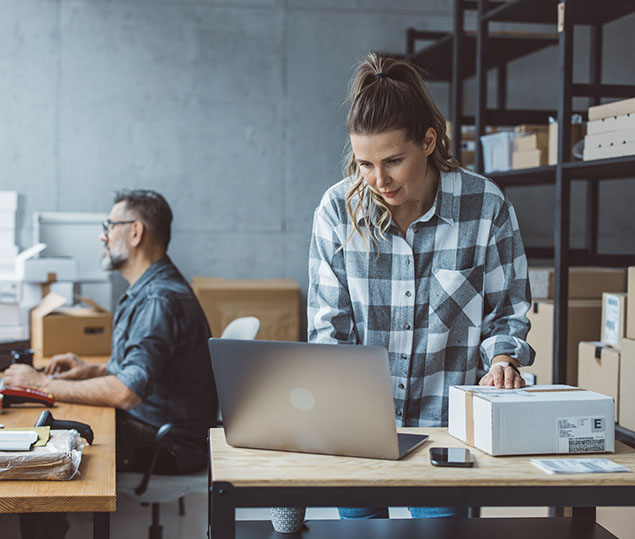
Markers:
<point>387,94</point>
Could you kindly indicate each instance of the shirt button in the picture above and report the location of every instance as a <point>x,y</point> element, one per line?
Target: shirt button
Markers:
<point>407,326</point>
<point>408,293</point>
<point>401,386</point>
<point>404,356</point>
<point>399,413</point>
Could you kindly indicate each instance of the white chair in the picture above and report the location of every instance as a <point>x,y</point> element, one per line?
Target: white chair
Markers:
<point>155,489</point>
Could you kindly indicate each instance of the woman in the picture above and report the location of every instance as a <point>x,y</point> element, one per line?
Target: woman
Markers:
<point>412,253</point>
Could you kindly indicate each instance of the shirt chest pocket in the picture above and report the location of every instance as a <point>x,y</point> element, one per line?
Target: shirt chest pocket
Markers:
<point>456,299</point>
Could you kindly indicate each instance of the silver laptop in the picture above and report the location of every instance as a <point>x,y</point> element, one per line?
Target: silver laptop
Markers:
<point>313,398</point>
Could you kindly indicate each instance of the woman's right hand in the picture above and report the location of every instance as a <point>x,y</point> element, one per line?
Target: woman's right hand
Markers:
<point>69,367</point>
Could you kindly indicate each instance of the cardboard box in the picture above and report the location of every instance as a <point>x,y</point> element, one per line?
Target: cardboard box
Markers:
<point>614,123</point>
<point>9,200</point>
<point>81,330</point>
<point>620,521</point>
<point>630,304</point>
<point>612,143</point>
<point>533,420</point>
<point>616,108</point>
<point>584,317</point>
<point>275,302</point>
<point>44,270</point>
<point>529,159</point>
<point>599,370</point>
<point>577,134</point>
<point>584,282</point>
<point>613,318</point>
<point>627,376</point>
<point>532,141</point>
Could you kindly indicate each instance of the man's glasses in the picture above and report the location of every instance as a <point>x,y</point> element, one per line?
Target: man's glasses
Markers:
<point>108,225</point>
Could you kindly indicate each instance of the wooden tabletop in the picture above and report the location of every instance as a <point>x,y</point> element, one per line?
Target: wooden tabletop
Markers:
<point>94,490</point>
<point>256,468</point>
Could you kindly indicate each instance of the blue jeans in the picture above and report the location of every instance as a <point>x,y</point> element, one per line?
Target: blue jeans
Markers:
<point>349,513</point>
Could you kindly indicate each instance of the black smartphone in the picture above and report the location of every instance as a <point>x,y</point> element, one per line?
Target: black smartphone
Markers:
<point>451,456</point>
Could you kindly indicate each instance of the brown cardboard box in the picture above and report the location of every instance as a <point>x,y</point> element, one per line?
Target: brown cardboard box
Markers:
<point>613,318</point>
<point>584,325</point>
<point>630,304</point>
<point>599,370</point>
<point>615,108</point>
<point>528,159</point>
<point>577,134</point>
<point>81,330</point>
<point>275,302</point>
<point>627,376</point>
<point>584,282</point>
<point>532,141</point>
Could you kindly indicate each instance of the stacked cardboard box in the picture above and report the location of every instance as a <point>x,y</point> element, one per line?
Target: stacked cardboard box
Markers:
<point>586,286</point>
<point>611,130</point>
<point>577,134</point>
<point>609,366</point>
<point>530,146</point>
<point>275,302</point>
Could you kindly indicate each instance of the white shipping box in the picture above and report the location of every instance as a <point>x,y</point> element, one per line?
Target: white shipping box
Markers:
<point>12,314</point>
<point>613,318</point>
<point>7,237</point>
<point>9,200</point>
<point>14,332</point>
<point>7,219</point>
<point>44,270</point>
<point>533,420</point>
<point>10,291</point>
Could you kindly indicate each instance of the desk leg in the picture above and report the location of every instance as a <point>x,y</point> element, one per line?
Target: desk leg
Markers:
<point>223,513</point>
<point>101,525</point>
<point>584,512</point>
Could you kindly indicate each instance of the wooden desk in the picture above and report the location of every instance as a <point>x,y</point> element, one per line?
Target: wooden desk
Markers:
<point>92,491</point>
<point>258,478</point>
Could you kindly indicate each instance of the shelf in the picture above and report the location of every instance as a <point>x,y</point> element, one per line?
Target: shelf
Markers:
<point>613,168</point>
<point>502,47</point>
<point>475,528</point>
<point>545,11</point>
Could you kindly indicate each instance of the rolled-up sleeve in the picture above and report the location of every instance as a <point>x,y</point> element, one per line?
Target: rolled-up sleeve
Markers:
<point>507,296</point>
<point>150,342</point>
<point>329,310</point>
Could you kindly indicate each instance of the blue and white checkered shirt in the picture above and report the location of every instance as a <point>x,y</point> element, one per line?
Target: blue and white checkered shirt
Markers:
<point>452,292</point>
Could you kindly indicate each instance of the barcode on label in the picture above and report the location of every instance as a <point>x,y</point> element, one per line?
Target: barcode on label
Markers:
<point>585,445</point>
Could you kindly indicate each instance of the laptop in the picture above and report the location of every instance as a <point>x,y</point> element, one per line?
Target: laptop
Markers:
<point>334,399</point>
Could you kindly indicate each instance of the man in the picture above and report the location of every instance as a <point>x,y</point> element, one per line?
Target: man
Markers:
<point>159,370</point>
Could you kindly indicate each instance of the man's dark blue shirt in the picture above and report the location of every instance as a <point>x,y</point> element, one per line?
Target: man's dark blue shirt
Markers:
<point>160,352</point>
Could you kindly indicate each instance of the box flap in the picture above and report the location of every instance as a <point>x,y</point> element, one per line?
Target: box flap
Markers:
<point>51,302</point>
<point>31,252</point>
<point>92,303</point>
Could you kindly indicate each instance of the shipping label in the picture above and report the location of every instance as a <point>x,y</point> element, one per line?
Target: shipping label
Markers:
<point>581,434</point>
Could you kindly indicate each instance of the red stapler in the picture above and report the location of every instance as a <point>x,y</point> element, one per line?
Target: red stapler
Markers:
<point>18,394</point>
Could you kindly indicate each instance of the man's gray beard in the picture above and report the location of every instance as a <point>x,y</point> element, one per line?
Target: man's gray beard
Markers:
<point>111,262</point>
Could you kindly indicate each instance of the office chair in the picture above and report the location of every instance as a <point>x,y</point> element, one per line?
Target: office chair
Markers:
<point>155,489</point>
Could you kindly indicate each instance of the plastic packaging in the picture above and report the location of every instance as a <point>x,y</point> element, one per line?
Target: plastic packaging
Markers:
<point>497,151</point>
<point>58,460</point>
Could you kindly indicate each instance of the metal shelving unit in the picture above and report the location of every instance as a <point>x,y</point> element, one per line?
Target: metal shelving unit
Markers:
<point>566,14</point>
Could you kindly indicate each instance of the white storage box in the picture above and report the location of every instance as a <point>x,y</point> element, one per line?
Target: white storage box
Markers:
<point>9,200</point>
<point>10,291</point>
<point>44,270</point>
<point>613,318</point>
<point>497,151</point>
<point>532,420</point>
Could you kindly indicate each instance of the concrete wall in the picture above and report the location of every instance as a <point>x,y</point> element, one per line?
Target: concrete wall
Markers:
<point>233,110</point>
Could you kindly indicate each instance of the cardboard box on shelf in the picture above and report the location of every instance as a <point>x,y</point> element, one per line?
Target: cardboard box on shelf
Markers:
<point>44,270</point>
<point>615,108</point>
<point>57,329</point>
<point>614,123</point>
<point>529,159</point>
<point>599,370</point>
<point>9,200</point>
<point>620,521</point>
<point>606,152</point>
<point>584,282</point>
<point>532,141</point>
<point>630,304</point>
<point>584,318</point>
<point>613,318</point>
<point>578,130</point>
<point>627,376</point>
<point>555,419</point>
<point>275,302</point>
